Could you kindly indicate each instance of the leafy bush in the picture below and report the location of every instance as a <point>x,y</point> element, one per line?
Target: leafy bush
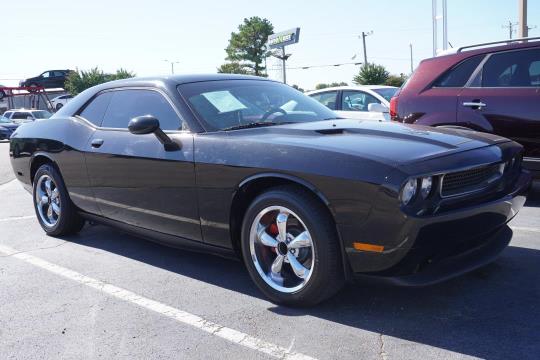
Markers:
<point>334,84</point>
<point>395,80</point>
<point>371,74</point>
<point>78,81</point>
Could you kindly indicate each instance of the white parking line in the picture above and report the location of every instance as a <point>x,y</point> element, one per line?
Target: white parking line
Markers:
<point>181,316</point>
<point>524,228</point>
<point>14,218</point>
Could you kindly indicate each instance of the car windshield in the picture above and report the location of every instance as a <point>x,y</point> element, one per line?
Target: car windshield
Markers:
<point>236,104</point>
<point>386,93</point>
<point>41,114</point>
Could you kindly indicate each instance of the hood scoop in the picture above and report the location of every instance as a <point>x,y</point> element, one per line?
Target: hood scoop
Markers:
<point>336,131</point>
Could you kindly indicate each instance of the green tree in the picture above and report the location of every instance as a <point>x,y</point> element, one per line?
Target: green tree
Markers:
<point>234,68</point>
<point>78,81</point>
<point>248,45</point>
<point>298,88</point>
<point>371,74</point>
<point>395,80</point>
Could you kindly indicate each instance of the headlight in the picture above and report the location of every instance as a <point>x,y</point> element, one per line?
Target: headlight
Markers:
<point>425,187</point>
<point>408,191</point>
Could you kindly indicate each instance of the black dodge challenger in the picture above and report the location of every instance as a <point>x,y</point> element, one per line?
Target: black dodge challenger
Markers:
<point>242,165</point>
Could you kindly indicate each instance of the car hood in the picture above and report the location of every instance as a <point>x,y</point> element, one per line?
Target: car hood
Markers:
<point>390,142</point>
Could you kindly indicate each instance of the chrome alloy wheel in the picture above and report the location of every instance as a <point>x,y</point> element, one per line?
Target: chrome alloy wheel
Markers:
<point>48,203</point>
<point>282,249</point>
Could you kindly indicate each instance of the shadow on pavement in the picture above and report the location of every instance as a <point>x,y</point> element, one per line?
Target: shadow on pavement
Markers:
<point>492,313</point>
<point>533,199</point>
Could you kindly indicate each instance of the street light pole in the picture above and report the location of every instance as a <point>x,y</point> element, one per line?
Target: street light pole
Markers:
<point>412,67</point>
<point>172,65</point>
<point>523,28</point>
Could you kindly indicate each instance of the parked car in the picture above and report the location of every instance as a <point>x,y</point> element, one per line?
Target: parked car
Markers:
<point>7,127</point>
<point>48,79</point>
<point>492,87</point>
<point>59,101</point>
<point>235,164</point>
<point>26,115</point>
<point>368,102</point>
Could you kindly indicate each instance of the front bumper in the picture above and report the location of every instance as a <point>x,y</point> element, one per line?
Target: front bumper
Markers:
<point>436,248</point>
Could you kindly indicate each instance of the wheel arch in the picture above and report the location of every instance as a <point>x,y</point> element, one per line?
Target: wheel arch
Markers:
<point>251,187</point>
<point>38,160</point>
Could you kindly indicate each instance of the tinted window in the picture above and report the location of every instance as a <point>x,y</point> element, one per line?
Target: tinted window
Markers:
<point>8,114</point>
<point>386,93</point>
<point>458,75</point>
<point>512,69</point>
<point>41,114</point>
<point>328,99</point>
<point>357,101</point>
<point>21,115</point>
<point>127,104</point>
<point>94,111</point>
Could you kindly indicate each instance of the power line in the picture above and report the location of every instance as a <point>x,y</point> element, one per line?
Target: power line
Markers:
<point>316,66</point>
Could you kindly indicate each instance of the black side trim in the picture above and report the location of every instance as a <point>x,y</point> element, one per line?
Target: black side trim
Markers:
<point>162,238</point>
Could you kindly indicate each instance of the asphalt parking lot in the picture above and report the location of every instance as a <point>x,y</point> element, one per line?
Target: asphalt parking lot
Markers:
<point>104,294</point>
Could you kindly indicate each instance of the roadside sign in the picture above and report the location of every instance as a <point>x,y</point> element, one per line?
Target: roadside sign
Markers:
<point>284,38</point>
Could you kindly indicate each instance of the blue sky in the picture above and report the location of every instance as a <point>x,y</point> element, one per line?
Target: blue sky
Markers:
<point>137,35</point>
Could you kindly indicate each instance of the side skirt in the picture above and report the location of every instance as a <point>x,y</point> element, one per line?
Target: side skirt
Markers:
<point>163,239</point>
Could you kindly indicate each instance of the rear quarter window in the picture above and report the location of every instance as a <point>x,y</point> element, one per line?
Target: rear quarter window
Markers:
<point>460,74</point>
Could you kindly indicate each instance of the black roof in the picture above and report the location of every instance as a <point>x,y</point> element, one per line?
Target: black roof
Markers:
<point>184,79</point>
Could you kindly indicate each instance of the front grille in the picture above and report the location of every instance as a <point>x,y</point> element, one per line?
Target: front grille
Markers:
<point>467,181</point>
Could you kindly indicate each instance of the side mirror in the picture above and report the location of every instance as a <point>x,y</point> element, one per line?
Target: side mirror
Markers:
<point>375,107</point>
<point>141,125</point>
<point>147,124</point>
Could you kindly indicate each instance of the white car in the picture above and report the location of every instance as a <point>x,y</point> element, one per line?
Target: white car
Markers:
<point>19,116</point>
<point>60,101</point>
<point>366,102</point>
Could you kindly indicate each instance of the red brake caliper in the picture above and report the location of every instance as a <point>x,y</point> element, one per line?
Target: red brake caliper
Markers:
<point>273,230</point>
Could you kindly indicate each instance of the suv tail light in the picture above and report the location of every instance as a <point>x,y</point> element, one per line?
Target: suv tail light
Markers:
<point>393,108</point>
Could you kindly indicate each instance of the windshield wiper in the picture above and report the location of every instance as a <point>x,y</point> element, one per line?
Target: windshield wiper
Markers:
<point>253,125</point>
<point>334,118</point>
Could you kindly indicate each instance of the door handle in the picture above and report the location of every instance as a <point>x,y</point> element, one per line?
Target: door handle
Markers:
<point>475,104</point>
<point>96,143</point>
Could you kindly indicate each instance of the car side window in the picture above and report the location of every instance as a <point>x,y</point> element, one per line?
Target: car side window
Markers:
<point>512,69</point>
<point>127,104</point>
<point>95,110</point>
<point>21,115</point>
<point>327,98</point>
<point>459,74</point>
<point>357,101</point>
<point>45,74</point>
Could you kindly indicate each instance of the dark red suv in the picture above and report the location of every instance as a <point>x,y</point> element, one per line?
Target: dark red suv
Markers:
<point>488,87</point>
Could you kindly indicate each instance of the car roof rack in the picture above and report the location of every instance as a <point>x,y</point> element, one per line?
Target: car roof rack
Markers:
<point>498,42</point>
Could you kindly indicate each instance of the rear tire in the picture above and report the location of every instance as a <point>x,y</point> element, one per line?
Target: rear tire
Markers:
<point>55,211</point>
<point>302,270</point>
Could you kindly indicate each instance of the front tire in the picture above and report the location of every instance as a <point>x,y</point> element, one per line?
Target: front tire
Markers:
<point>290,247</point>
<point>56,213</point>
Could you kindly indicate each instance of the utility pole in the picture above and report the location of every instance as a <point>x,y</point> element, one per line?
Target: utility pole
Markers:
<point>172,65</point>
<point>510,28</point>
<point>364,34</point>
<point>523,28</point>
<point>412,67</point>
